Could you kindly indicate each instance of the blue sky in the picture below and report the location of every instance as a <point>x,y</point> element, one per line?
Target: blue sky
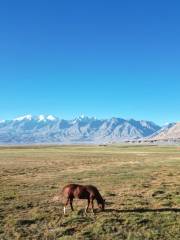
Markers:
<point>98,58</point>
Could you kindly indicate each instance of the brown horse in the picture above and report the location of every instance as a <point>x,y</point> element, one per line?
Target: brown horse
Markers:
<point>88,192</point>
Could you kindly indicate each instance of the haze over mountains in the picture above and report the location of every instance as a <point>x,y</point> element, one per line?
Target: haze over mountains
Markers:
<point>50,129</point>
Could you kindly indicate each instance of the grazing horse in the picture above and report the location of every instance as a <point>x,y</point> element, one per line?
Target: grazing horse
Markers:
<point>88,192</point>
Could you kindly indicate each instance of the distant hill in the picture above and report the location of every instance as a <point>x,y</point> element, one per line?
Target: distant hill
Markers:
<point>169,132</point>
<point>50,129</point>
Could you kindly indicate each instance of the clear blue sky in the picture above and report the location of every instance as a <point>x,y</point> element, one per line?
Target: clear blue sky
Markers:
<point>98,58</point>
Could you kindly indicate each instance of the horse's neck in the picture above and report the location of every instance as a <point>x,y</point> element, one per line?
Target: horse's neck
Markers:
<point>99,198</point>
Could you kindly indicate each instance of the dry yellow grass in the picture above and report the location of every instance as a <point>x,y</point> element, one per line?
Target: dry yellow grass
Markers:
<point>140,184</point>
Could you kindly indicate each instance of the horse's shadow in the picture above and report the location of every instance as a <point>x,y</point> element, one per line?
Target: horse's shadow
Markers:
<point>143,210</point>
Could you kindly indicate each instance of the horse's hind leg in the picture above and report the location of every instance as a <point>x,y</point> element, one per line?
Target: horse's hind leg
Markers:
<point>71,204</point>
<point>87,206</point>
<point>92,205</point>
<point>66,205</point>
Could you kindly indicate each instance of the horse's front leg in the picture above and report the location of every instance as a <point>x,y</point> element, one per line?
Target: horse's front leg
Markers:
<point>67,201</point>
<point>87,206</point>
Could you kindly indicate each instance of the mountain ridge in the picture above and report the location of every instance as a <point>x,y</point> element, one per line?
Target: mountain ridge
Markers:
<point>30,129</point>
<point>167,133</point>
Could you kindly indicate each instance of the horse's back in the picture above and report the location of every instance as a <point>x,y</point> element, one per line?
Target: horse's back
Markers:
<point>80,191</point>
<point>92,190</point>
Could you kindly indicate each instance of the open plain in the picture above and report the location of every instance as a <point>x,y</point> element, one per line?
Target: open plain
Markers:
<point>141,185</point>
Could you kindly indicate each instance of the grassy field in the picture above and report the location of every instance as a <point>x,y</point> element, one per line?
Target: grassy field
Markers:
<point>141,185</point>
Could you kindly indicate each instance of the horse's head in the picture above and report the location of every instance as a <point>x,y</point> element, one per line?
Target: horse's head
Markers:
<point>101,204</point>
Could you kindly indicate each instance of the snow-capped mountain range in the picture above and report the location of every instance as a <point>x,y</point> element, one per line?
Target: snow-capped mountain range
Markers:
<point>30,129</point>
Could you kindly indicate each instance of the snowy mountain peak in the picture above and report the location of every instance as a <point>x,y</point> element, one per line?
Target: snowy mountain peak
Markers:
<point>84,117</point>
<point>25,117</point>
<point>41,118</point>
<point>51,118</point>
<point>44,118</point>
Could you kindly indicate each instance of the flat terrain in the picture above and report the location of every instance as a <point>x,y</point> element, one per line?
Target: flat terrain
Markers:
<point>141,185</point>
